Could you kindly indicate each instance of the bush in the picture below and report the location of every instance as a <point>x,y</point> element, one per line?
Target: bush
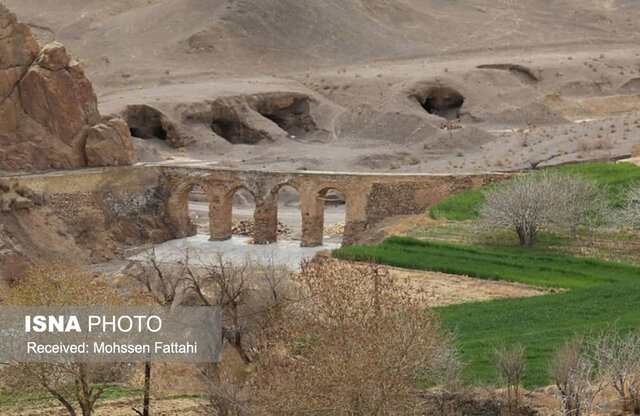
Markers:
<point>577,377</point>
<point>618,356</point>
<point>510,363</point>
<point>356,343</point>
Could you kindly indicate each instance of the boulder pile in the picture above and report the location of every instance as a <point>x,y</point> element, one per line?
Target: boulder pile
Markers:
<point>245,228</point>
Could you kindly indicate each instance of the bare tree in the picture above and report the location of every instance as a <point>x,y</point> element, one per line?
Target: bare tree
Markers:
<point>577,377</point>
<point>161,287</point>
<point>630,213</point>
<point>510,363</point>
<point>69,383</point>
<point>249,294</point>
<point>532,203</point>
<point>619,358</point>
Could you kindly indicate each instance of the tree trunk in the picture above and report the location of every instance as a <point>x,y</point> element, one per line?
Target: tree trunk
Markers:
<point>521,235</point>
<point>147,388</point>
<point>529,241</point>
<point>526,237</point>
<point>87,410</point>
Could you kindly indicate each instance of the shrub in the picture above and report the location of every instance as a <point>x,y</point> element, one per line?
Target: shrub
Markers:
<point>630,213</point>
<point>510,363</point>
<point>356,343</point>
<point>618,356</point>
<point>577,377</point>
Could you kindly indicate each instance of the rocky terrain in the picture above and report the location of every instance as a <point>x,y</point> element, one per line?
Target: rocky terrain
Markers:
<point>49,115</point>
<point>400,85</point>
<point>49,120</point>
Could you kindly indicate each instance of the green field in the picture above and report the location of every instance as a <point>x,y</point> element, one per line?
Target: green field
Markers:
<point>600,293</point>
<point>614,177</point>
<point>513,264</point>
<point>541,323</point>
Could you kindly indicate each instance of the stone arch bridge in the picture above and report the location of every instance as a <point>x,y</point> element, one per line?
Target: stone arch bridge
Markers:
<point>369,197</point>
<point>153,199</point>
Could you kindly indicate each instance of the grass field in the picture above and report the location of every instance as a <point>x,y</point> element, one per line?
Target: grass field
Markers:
<point>513,264</point>
<point>614,177</point>
<point>541,323</point>
<point>615,245</point>
<point>600,293</point>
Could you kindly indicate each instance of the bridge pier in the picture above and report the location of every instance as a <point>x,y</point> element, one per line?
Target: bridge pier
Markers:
<point>355,220</point>
<point>265,229</point>
<point>220,216</point>
<point>312,207</point>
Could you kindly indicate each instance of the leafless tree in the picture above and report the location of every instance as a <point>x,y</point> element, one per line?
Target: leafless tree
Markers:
<point>161,287</point>
<point>577,377</point>
<point>159,281</point>
<point>619,357</point>
<point>510,363</point>
<point>80,384</point>
<point>630,213</point>
<point>249,294</point>
<point>535,202</point>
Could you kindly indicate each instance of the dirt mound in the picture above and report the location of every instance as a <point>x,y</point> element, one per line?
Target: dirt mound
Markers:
<point>532,113</point>
<point>580,87</point>
<point>48,112</point>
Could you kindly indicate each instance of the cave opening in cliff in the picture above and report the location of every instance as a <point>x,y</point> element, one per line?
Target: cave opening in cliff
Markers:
<point>443,102</point>
<point>145,122</point>
<point>235,132</point>
<point>293,118</point>
<point>225,130</point>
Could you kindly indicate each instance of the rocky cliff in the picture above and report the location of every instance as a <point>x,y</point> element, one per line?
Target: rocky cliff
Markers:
<point>49,115</point>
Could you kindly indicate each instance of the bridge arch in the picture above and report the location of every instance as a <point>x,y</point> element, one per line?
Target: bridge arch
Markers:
<point>313,207</point>
<point>178,206</point>
<point>288,196</point>
<point>221,211</point>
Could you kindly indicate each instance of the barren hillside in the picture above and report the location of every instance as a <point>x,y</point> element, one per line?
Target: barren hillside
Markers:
<point>411,85</point>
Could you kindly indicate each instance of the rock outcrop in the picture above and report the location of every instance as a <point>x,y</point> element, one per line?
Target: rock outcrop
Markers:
<point>48,110</point>
<point>109,144</point>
